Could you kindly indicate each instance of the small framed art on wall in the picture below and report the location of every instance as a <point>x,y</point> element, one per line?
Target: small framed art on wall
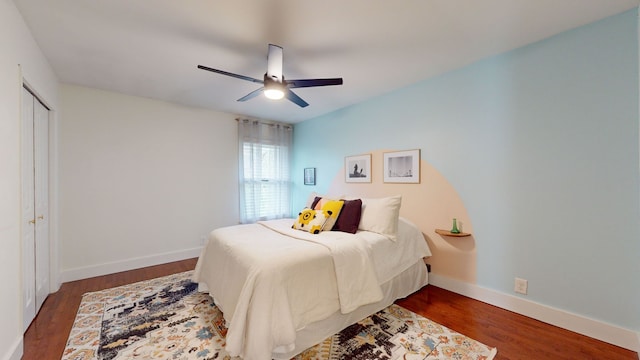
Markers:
<point>402,167</point>
<point>358,168</point>
<point>309,176</point>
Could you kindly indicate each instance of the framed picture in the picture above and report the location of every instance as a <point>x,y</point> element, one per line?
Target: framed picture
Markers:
<point>358,169</point>
<point>402,167</point>
<point>309,176</point>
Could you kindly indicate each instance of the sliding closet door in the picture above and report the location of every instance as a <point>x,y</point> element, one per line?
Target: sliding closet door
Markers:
<point>41,187</point>
<point>35,205</point>
<point>28,211</point>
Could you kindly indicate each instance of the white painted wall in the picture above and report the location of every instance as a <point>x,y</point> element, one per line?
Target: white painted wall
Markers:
<point>18,48</point>
<point>141,180</point>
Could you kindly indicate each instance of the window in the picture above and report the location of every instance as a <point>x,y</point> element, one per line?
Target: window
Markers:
<point>264,170</point>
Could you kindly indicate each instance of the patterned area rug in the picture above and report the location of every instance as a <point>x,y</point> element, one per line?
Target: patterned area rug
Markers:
<point>167,318</point>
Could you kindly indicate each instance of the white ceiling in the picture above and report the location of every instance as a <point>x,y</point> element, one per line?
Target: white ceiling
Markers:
<point>151,48</point>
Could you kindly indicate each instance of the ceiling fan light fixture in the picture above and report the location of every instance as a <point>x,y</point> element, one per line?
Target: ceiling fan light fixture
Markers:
<point>274,93</point>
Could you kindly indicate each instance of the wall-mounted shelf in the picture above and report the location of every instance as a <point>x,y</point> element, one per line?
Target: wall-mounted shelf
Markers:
<point>449,233</point>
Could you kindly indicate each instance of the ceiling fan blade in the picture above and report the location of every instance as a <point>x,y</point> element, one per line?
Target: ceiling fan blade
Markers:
<point>296,99</point>
<point>274,62</point>
<point>242,77</point>
<point>252,94</point>
<point>313,82</point>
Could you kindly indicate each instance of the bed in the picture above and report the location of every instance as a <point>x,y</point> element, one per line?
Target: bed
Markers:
<point>282,290</point>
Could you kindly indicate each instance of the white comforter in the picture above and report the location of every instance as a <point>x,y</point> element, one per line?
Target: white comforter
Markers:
<point>269,285</point>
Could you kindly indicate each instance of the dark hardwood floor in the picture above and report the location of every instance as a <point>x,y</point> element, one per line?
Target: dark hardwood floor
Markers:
<point>515,336</point>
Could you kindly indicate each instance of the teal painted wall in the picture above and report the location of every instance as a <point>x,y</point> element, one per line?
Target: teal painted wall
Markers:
<point>542,145</point>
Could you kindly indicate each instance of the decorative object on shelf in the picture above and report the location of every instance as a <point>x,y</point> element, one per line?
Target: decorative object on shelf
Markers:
<point>454,229</point>
<point>402,167</point>
<point>357,169</point>
<point>449,233</point>
<point>309,176</point>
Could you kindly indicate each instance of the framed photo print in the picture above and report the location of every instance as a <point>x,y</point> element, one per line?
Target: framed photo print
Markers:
<point>309,176</point>
<point>402,167</point>
<point>358,169</point>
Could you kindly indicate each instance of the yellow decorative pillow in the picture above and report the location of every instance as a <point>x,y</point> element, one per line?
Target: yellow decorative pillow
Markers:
<point>331,210</point>
<point>310,220</point>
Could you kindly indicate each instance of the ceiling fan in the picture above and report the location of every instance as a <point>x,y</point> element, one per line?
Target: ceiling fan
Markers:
<point>275,86</point>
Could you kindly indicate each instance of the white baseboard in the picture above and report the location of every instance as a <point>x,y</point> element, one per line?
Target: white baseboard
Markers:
<point>609,333</point>
<point>15,351</point>
<point>127,264</point>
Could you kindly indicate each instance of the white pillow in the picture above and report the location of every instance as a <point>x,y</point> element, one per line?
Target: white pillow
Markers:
<point>381,215</point>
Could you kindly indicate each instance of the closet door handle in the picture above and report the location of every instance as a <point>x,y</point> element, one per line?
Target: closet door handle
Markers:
<point>32,221</point>
<point>41,217</point>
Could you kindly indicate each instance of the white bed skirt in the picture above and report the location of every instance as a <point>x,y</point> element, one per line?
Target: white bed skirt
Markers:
<point>403,285</point>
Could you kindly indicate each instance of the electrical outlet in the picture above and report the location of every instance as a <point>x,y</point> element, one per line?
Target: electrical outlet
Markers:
<point>521,286</point>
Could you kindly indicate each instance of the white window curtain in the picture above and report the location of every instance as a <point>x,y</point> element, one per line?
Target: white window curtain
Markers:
<point>264,155</point>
